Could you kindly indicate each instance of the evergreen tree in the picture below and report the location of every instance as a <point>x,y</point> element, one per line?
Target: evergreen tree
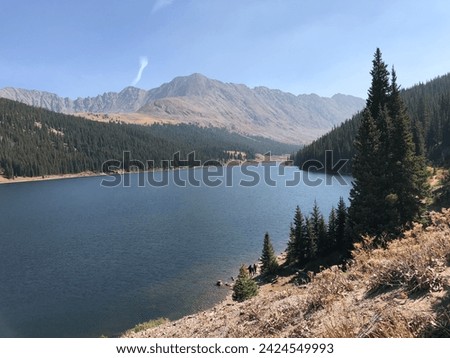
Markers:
<point>244,287</point>
<point>408,188</point>
<point>378,94</point>
<point>310,240</point>
<point>370,211</point>
<point>389,178</point>
<point>341,223</point>
<point>296,246</point>
<point>418,138</point>
<point>332,229</point>
<point>291,251</point>
<point>323,244</point>
<point>269,264</point>
<point>366,213</point>
<point>319,229</point>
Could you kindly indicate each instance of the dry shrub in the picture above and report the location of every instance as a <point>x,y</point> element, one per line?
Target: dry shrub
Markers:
<point>300,330</point>
<point>327,286</point>
<point>281,315</point>
<point>413,276</point>
<point>414,262</point>
<point>382,321</point>
<point>267,316</point>
<point>342,323</point>
<point>392,323</point>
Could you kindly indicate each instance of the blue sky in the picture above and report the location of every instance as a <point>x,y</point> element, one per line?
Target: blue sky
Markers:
<point>85,48</point>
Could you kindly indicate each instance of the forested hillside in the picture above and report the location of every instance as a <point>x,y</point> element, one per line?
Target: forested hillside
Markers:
<point>428,106</point>
<point>36,142</point>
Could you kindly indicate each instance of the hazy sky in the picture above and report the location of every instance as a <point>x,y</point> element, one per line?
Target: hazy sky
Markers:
<point>84,48</point>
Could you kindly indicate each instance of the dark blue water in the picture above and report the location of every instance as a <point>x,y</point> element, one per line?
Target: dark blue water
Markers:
<point>81,260</point>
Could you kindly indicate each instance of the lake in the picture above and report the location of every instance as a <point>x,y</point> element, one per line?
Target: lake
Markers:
<point>78,259</point>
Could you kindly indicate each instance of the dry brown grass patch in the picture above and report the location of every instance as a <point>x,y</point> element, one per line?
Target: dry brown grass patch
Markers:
<point>414,263</point>
<point>392,323</point>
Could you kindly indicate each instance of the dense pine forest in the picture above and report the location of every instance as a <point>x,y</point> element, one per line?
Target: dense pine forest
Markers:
<point>428,107</point>
<point>36,142</point>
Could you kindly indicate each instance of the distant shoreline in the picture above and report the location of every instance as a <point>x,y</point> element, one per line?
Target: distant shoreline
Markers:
<point>87,174</point>
<point>4,180</point>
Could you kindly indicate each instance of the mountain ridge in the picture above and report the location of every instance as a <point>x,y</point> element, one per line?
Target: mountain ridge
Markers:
<point>203,101</point>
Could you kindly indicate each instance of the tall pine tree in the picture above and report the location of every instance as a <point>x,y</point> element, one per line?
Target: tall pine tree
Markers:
<point>366,212</point>
<point>299,235</point>
<point>378,93</point>
<point>389,178</point>
<point>296,245</point>
<point>408,184</point>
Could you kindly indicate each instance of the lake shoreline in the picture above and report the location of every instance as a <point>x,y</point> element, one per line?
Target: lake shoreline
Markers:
<point>4,180</point>
<point>88,174</point>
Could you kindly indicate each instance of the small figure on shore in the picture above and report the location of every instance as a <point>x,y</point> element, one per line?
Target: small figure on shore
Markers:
<point>219,283</point>
<point>250,270</point>
<point>255,269</point>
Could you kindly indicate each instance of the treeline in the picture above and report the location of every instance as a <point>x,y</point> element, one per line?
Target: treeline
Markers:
<point>36,142</point>
<point>428,107</point>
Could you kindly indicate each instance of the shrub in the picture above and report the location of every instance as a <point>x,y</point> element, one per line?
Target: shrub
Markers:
<point>245,287</point>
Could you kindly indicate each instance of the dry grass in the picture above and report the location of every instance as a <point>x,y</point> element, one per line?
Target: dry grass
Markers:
<point>400,291</point>
<point>414,263</point>
<point>328,286</point>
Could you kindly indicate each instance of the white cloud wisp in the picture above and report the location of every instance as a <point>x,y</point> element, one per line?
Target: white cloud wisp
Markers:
<point>143,62</point>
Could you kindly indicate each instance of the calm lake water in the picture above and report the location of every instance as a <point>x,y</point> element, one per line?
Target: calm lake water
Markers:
<point>81,260</point>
